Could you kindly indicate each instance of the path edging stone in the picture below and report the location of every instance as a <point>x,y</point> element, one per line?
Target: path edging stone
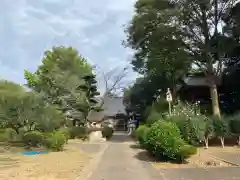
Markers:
<point>88,170</point>
<point>226,161</point>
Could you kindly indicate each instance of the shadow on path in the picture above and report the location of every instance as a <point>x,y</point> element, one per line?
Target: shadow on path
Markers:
<point>121,137</point>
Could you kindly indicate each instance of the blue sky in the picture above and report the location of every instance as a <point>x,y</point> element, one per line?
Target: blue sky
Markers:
<point>94,27</point>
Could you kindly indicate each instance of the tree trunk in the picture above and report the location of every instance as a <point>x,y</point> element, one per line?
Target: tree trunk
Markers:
<point>238,140</point>
<point>215,100</point>
<point>174,93</point>
<point>222,141</point>
<point>74,122</point>
<point>206,142</point>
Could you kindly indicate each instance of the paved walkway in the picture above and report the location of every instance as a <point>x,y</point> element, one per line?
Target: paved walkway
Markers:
<point>121,162</point>
<point>233,157</point>
<point>118,162</point>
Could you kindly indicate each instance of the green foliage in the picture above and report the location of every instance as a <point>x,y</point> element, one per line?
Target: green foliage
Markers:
<point>55,140</point>
<point>28,110</point>
<point>78,132</point>
<point>186,109</point>
<point>33,139</point>
<point>234,123</point>
<point>60,78</point>
<point>190,122</point>
<point>3,135</point>
<point>172,49</point>
<point>107,132</point>
<point>50,119</point>
<point>221,127</point>
<point>144,92</point>
<point>164,142</point>
<point>11,135</point>
<point>185,126</point>
<point>209,128</point>
<point>66,132</point>
<point>186,151</point>
<point>141,135</point>
<point>153,116</point>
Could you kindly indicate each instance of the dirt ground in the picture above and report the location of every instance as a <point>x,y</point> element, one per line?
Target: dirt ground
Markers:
<point>64,165</point>
<point>204,158</point>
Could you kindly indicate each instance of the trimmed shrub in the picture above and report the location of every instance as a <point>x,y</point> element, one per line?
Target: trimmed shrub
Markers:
<point>107,132</point>
<point>55,141</point>
<point>163,140</point>
<point>3,135</point>
<point>33,139</point>
<point>141,133</point>
<point>78,132</point>
<point>186,151</point>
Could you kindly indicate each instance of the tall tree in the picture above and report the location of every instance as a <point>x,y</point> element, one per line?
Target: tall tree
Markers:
<point>184,26</point>
<point>144,92</point>
<point>90,89</point>
<point>232,65</point>
<point>58,78</point>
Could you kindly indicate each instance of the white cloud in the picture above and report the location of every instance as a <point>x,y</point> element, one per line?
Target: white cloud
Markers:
<point>29,27</point>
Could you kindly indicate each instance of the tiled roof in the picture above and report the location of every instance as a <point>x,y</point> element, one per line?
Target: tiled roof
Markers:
<point>113,105</point>
<point>95,116</point>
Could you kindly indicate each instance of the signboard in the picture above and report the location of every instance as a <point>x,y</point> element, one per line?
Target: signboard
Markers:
<point>169,96</point>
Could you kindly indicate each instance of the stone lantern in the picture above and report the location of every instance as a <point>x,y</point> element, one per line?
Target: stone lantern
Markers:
<point>95,119</point>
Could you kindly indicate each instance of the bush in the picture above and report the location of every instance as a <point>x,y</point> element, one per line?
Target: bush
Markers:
<point>3,135</point>
<point>221,128</point>
<point>55,140</point>
<point>234,123</point>
<point>78,132</point>
<point>153,117</point>
<point>163,140</point>
<point>192,128</point>
<point>11,135</point>
<point>141,133</point>
<point>65,132</point>
<point>186,151</point>
<point>33,139</point>
<point>107,132</point>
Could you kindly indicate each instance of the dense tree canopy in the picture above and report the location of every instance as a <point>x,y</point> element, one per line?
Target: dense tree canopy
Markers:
<point>232,70</point>
<point>60,79</point>
<point>169,37</point>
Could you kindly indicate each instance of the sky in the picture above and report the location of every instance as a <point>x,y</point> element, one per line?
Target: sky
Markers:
<point>94,27</point>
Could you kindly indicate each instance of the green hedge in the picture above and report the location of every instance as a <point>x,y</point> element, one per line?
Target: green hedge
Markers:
<point>33,139</point>
<point>140,134</point>
<point>163,140</point>
<point>55,140</point>
<point>107,132</point>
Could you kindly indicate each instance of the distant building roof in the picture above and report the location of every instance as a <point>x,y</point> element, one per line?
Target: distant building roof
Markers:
<point>113,105</point>
<point>199,80</point>
<point>95,116</point>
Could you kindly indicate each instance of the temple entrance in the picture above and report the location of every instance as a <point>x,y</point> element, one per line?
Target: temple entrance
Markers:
<point>120,122</point>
